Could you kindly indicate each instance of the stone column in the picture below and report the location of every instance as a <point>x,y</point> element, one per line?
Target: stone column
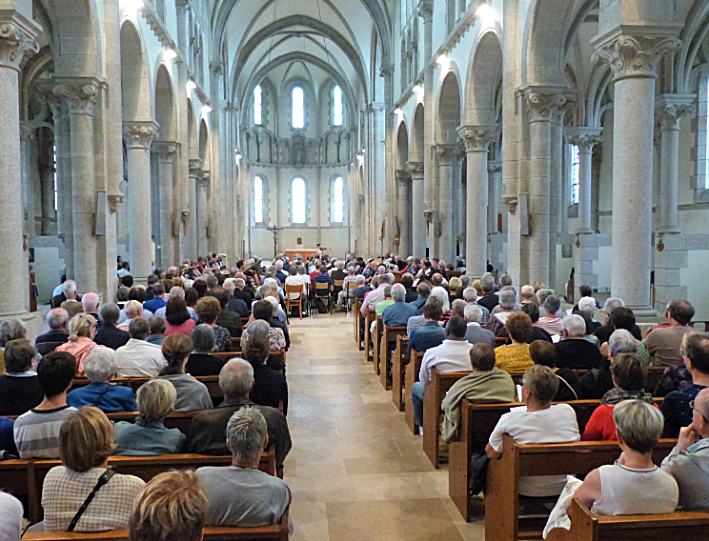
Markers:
<point>80,96</point>
<point>138,137</point>
<point>191,212</point>
<point>585,139</point>
<point>494,170</point>
<point>634,63</point>
<point>46,173</point>
<point>425,11</point>
<point>403,179</point>
<point>167,152</point>
<point>27,139</point>
<point>418,222</point>
<point>203,182</point>
<point>448,156</point>
<point>477,141</point>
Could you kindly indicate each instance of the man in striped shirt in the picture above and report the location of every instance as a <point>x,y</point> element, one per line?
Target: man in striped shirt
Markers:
<point>550,322</point>
<point>37,431</point>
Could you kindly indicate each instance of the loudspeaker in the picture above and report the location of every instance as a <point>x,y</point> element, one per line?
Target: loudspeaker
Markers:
<point>100,214</point>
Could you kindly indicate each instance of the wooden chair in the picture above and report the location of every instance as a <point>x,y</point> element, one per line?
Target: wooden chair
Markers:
<point>322,292</point>
<point>397,277</point>
<point>412,376</point>
<point>297,302</point>
<point>397,371</point>
<point>351,286</point>
<point>370,316</point>
<point>389,335</point>
<point>357,322</point>
<point>377,342</point>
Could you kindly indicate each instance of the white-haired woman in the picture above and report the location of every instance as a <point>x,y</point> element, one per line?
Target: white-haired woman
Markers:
<point>100,368</point>
<point>82,329</point>
<point>441,293</point>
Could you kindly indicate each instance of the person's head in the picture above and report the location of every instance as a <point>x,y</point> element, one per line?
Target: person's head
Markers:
<point>208,310</point>
<point>487,283</point>
<point>12,523</point>
<point>407,280</point>
<point>680,311</point>
<point>574,326</point>
<point>473,313</point>
<point>586,319</point>
<point>543,353</point>
<point>57,319</point>
<point>623,318</point>
<point>639,425</point>
<point>433,309</point>
<point>247,436</point>
<point>191,296</point>
<point>12,329</point>
<point>159,289</point>
<point>507,299</point>
<point>56,372</point>
<point>470,294</point>
<point>361,280</point>
<point>442,294</point>
<point>221,295</point>
<point>263,309</point>
<point>85,439</point>
<point>526,294</point>
<point>176,349</point>
<point>629,372</point>
<point>139,328</point>
<point>110,314</point>
<point>456,328</point>
<point>437,279</point>
<point>201,287</point>
<point>540,383</point>
<point>82,326</point>
<point>519,327</point>
<point>552,305</point>
<point>176,312</point>
<point>100,365</point>
<point>454,283</point>
<point>398,293</point>
<point>423,289</point>
<point>203,340</point>
<point>69,289</point>
<point>585,291</point>
<point>505,280</point>
<point>532,310</point>
<point>212,281</point>
<point>542,295</point>
<point>587,305</point>
<point>611,304</point>
<point>239,283</point>
<point>127,281</point>
<point>133,309</point>
<point>20,356</point>
<point>156,399</point>
<point>236,378</point>
<point>458,308</point>
<point>621,341</point>
<point>482,357</point>
<point>258,347</point>
<point>158,326</point>
<point>90,302</point>
<point>138,293</point>
<point>695,350</point>
<point>701,413</point>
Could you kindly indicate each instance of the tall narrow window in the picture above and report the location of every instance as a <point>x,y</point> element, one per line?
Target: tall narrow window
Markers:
<point>298,189</point>
<point>706,148</point>
<point>338,200</point>
<point>298,108</point>
<point>575,174</point>
<point>337,106</point>
<point>258,104</point>
<point>258,200</point>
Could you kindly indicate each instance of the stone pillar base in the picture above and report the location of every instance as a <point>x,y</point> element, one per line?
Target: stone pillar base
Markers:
<point>34,322</point>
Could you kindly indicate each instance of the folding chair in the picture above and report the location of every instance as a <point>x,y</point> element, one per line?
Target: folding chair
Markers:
<point>322,292</point>
<point>297,302</point>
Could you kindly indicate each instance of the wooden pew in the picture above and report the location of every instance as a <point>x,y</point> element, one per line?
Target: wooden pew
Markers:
<point>412,376</point>
<point>397,371</point>
<point>502,519</point>
<point>370,316</point>
<point>585,526</point>
<point>654,375</point>
<point>357,322</point>
<point>390,334</point>
<point>212,383</point>
<point>377,342</point>
<point>278,532</point>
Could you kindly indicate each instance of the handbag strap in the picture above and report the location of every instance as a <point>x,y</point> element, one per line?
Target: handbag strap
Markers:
<point>105,478</point>
<point>576,396</point>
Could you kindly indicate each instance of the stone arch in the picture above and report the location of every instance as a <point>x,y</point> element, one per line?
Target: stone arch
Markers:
<point>135,79</point>
<point>165,104</point>
<point>484,78</point>
<point>448,110</point>
<point>402,146</point>
<point>417,134</point>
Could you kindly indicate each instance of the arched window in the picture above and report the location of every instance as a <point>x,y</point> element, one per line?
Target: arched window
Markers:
<point>338,200</point>
<point>337,106</point>
<point>258,104</point>
<point>298,108</point>
<point>575,174</point>
<point>298,194</point>
<point>258,200</point>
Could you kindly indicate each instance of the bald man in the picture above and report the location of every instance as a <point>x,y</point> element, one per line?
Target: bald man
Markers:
<point>689,460</point>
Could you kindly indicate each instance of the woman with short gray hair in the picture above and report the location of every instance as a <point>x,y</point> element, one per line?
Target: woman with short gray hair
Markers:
<point>10,329</point>
<point>201,362</point>
<point>100,367</point>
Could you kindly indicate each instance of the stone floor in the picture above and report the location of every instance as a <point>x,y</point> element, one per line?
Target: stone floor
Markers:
<point>356,471</point>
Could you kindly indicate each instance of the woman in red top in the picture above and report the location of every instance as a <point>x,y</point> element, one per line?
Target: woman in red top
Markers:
<point>629,376</point>
<point>178,317</point>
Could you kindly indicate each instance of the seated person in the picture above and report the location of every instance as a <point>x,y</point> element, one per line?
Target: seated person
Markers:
<point>384,303</point>
<point>109,334</point>
<point>171,506</point>
<point>227,319</point>
<point>191,394</point>
<point>574,351</point>
<point>604,332</point>
<point>398,314</point>
<point>475,334</point>
<point>263,310</point>
<point>629,377</point>
<point>200,361</point>
<point>148,435</point>
<point>11,517</point>
<point>507,303</point>
<point>453,355</point>
<point>539,422</point>
<point>270,387</point>
<point>57,319</point>
<point>279,318</point>
<point>178,317</point>
<point>688,462</point>
<point>134,309</point>
<point>138,358</point>
<point>515,357</point>
<point>7,441</point>
<point>158,326</point>
<point>423,290</point>
<point>598,381</point>
<point>208,310</point>
<point>550,322</point>
<point>532,310</point>
<point>620,318</point>
<point>487,382</point>
<point>544,353</point>
<point>19,387</point>
<point>430,334</point>
<point>86,443</point>
<point>241,495</point>
<point>37,431</point>
<point>663,344</point>
<point>100,367</point>
<point>10,329</point>
<point>633,485</point>
<point>207,429</point>
<point>82,329</point>
<point>236,304</point>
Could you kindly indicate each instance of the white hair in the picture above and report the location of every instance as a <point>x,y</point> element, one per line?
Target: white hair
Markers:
<point>398,292</point>
<point>236,378</point>
<point>69,288</point>
<point>274,302</point>
<point>100,364</point>
<point>440,293</point>
<point>473,313</point>
<point>271,282</point>
<point>178,292</point>
<point>508,298</point>
<point>587,305</point>
<point>470,294</point>
<point>57,318</point>
<point>613,303</point>
<point>622,341</point>
<point>247,433</point>
<point>229,285</point>
<point>575,325</point>
<point>90,302</point>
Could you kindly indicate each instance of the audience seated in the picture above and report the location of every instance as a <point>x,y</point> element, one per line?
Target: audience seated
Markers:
<point>138,358</point>
<point>587,306</point>
<point>72,302</point>
<point>489,299</point>
<point>200,361</point>
<point>598,381</point>
<point>10,329</point>
<point>82,329</point>
<point>550,322</point>
<point>235,304</point>
<point>11,520</point>
<point>100,366</point>
<point>57,319</point>
<point>470,296</point>
<point>623,318</point>
<point>208,310</point>
<point>227,319</point>
<point>109,335</point>
<point>158,326</point>
<point>539,422</point>
<point>263,310</point>
<point>7,440</point>
<point>158,301</point>
<point>242,495</point>
<point>208,427</point>
<point>270,386</point>
<point>532,310</point>
<point>362,288</point>
<point>86,443</point>
<point>633,485</point>
<point>398,314</point>
<point>133,310</point>
<point>496,323</point>
<point>19,387</point>
<point>487,382</point>
<point>629,377</point>
<point>663,345</point>
<point>148,435</point>
<point>373,297</point>
<point>178,317</point>
<point>37,431</point>
<point>574,351</point>
<point>475,334</point>
<point>545,354</point>
<point>178,291</point>
<point>428,333</point>
<point>191,394</point>
<point>515,357</point>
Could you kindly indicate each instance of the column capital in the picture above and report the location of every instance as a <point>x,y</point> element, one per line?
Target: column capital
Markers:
<point>544,103</point>
<point>195,166</point>
<point>415,169</point>
<point>670,108</point>
<point>166,150</point>
<point>447,154</point>
<point>585,138</point>
<point>217,68</point>
<point>113,201</point>
<point>403,176</point>
<point>478,138</point>
<point>425,10</point>
<point>494,167</point>
<point>203,178</point>
<point>140,134</point>
<point>17,39</point>
<point>27,131</point>
<point>633,56</point>
<point>79,93</point>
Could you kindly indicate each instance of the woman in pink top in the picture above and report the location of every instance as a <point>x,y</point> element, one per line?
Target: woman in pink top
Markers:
<point>178,317</point>
<point>82,329</point>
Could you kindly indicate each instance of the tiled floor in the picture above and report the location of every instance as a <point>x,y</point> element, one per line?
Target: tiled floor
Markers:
<point>356,471</point>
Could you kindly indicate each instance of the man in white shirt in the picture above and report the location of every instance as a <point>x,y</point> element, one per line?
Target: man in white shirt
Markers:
<point>294,280</point>
<point>453,355</point>
<point>138,358</point>
<point>537,422</point>
<point>373,297</point>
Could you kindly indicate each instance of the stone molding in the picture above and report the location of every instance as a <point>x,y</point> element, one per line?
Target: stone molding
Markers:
<point>670,108</point>
<point>544,103</point>
<point>27,131</point>
<point>448,154</point>
<point>140,134</point>
<point>478,138</point>
<point>195,166</point>
<point>80,94</point>
<point>17,40</point>
<point>494,167</point>
<point>204,178</point>
<point>585,138</point>
<point>403,176</point>
<point>166,150</point>
<point>634,56</point>
<point>415,169</point>
<point>113,202</point>
<point>425,10</point>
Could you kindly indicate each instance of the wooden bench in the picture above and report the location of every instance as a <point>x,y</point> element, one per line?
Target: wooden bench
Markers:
<point>228,355</point>
<point>377,342</point>
<point>212,383</point>
<point>412,376</point>
<point>397,371</point>
<point>389,335</point>
<point>369,316</point>
<point>278,532</point>
<point>585,526</point>
<point>358,322</point>
<point>654,375</point>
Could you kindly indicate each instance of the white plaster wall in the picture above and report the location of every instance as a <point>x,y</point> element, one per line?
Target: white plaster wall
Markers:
<point>693,278</point>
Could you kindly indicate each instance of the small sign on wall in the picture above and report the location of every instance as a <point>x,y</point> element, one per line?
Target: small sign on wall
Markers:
<point>299,241</point>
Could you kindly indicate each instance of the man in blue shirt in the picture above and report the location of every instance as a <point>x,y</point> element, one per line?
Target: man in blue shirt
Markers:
<point>398,314</point>
<point>323,278</point>
<point>423,290</point>
<point>157,302</point>
<point>430,334</point>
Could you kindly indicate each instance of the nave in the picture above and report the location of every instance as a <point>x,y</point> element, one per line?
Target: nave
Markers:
<point>356,471</point>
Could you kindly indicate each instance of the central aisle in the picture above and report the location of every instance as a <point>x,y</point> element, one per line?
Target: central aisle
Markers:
<point>356,471</point>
